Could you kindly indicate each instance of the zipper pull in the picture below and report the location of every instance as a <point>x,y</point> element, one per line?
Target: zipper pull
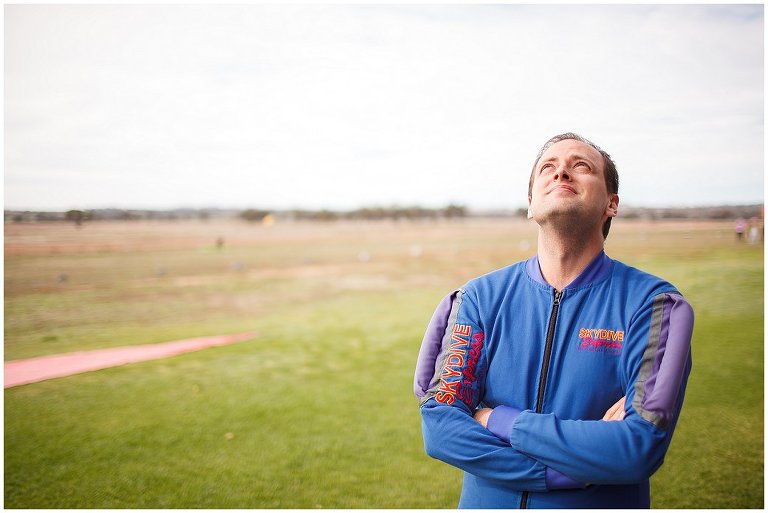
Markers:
<point>558,294</point>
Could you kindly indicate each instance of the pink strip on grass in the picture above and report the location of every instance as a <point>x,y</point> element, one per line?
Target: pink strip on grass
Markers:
<point>32,370</point>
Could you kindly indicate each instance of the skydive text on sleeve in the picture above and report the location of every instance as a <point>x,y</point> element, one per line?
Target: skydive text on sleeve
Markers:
<point>458,377</point>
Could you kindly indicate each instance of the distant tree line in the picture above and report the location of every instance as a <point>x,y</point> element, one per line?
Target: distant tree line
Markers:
<point>111,214</point>
<point>78,217</point>
<point>712,213</point>
<point>410,213</point>
<point>374,214</point>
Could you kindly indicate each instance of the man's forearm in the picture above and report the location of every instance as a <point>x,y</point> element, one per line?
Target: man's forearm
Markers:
<point>452,436</point>
<point>503,416</point>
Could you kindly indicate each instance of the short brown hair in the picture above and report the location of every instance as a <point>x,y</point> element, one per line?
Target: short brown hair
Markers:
<point>611,173</point>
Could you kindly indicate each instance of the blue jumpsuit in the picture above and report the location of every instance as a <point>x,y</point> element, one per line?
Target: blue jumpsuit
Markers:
<point>550,363</point>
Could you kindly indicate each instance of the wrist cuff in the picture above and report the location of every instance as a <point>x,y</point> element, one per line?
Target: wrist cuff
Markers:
<point>557,481</point>
<point>500,421</point>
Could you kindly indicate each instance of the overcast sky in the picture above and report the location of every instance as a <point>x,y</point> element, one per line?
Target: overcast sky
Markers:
<point>342,106</point>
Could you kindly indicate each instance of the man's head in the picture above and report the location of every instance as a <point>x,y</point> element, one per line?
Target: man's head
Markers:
<point>565,170</point>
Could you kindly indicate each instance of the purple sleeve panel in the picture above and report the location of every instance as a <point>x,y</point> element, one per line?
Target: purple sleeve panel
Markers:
<point>501,420</point>
<point>430,347</point>
<point>557,481</point>
<point>666,360</point>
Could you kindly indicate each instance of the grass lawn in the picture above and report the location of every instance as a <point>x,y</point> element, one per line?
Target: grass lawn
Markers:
<point>317,411</point>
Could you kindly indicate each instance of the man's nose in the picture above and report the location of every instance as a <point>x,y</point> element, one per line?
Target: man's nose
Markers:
<point>562,174</point>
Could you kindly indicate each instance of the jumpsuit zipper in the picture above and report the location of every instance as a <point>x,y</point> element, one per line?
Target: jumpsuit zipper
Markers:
<point>545,367</point>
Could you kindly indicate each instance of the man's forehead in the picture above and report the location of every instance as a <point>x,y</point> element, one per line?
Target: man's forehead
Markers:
<point>568,147</point>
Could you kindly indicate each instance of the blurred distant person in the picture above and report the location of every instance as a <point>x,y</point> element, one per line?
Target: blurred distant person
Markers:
<point>557,382</point>
<point>753,231</point>
<point>740,226</point>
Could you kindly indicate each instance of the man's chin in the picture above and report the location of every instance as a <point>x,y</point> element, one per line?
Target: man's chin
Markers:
<point>558,212</point>
<point>565,218</point>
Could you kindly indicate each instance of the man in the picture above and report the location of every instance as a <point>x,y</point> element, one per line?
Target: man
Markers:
<point>557,382</point>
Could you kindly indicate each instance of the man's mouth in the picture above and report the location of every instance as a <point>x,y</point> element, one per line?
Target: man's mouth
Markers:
<point>563,187</point>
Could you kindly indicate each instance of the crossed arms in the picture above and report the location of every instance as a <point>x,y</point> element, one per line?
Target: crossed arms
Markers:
<point>530,451</point>
<point>614,413</point>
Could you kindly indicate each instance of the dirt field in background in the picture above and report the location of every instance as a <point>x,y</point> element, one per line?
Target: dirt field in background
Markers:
<point>131,236</point>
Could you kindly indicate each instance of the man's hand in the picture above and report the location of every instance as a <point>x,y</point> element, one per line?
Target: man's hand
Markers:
<point>615,412</point>
<point>481,415</point>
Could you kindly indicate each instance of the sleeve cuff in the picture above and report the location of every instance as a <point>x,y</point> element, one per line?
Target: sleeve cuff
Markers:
<point>500,421</point>
<point>557,481</point>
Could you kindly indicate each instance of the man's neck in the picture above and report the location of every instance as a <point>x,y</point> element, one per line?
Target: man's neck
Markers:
<point>563,258</point>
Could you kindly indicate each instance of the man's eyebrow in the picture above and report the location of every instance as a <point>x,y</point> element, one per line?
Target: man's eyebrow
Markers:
<point>550,159</point>
<point>575,156</point>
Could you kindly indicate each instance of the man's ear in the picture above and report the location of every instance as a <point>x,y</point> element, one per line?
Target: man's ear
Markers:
<point>613,206</point>
<point>530,215</point>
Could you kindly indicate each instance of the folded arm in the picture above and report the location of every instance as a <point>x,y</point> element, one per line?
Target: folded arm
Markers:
<point>599,452</point>
<point>449,381</point>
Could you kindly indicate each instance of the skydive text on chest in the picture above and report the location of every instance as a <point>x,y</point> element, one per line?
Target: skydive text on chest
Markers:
<point>601,340</point>
<point>615,335</point>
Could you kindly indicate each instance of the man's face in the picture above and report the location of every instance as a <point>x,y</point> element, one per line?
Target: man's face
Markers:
<point>569,187</point>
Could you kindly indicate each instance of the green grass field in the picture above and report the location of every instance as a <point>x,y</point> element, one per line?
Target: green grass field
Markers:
<point>317,411</point>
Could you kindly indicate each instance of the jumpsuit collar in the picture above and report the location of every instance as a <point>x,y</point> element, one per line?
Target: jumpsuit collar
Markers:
<point>596,271</point>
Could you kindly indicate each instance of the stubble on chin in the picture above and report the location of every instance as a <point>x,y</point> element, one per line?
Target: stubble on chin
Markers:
<point>569,219</point>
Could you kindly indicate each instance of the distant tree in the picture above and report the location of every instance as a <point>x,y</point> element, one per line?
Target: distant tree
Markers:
<point>723,213</point>
<point>325,215</point>
<point>77,216</point>
<point>452,211</point>
<point>630,214</point>
<point>252,215</point>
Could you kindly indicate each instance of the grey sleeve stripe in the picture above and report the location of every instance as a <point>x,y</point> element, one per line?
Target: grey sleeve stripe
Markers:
<point>649,356</point>
<point>443,356</point>
<point>666,361</point>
